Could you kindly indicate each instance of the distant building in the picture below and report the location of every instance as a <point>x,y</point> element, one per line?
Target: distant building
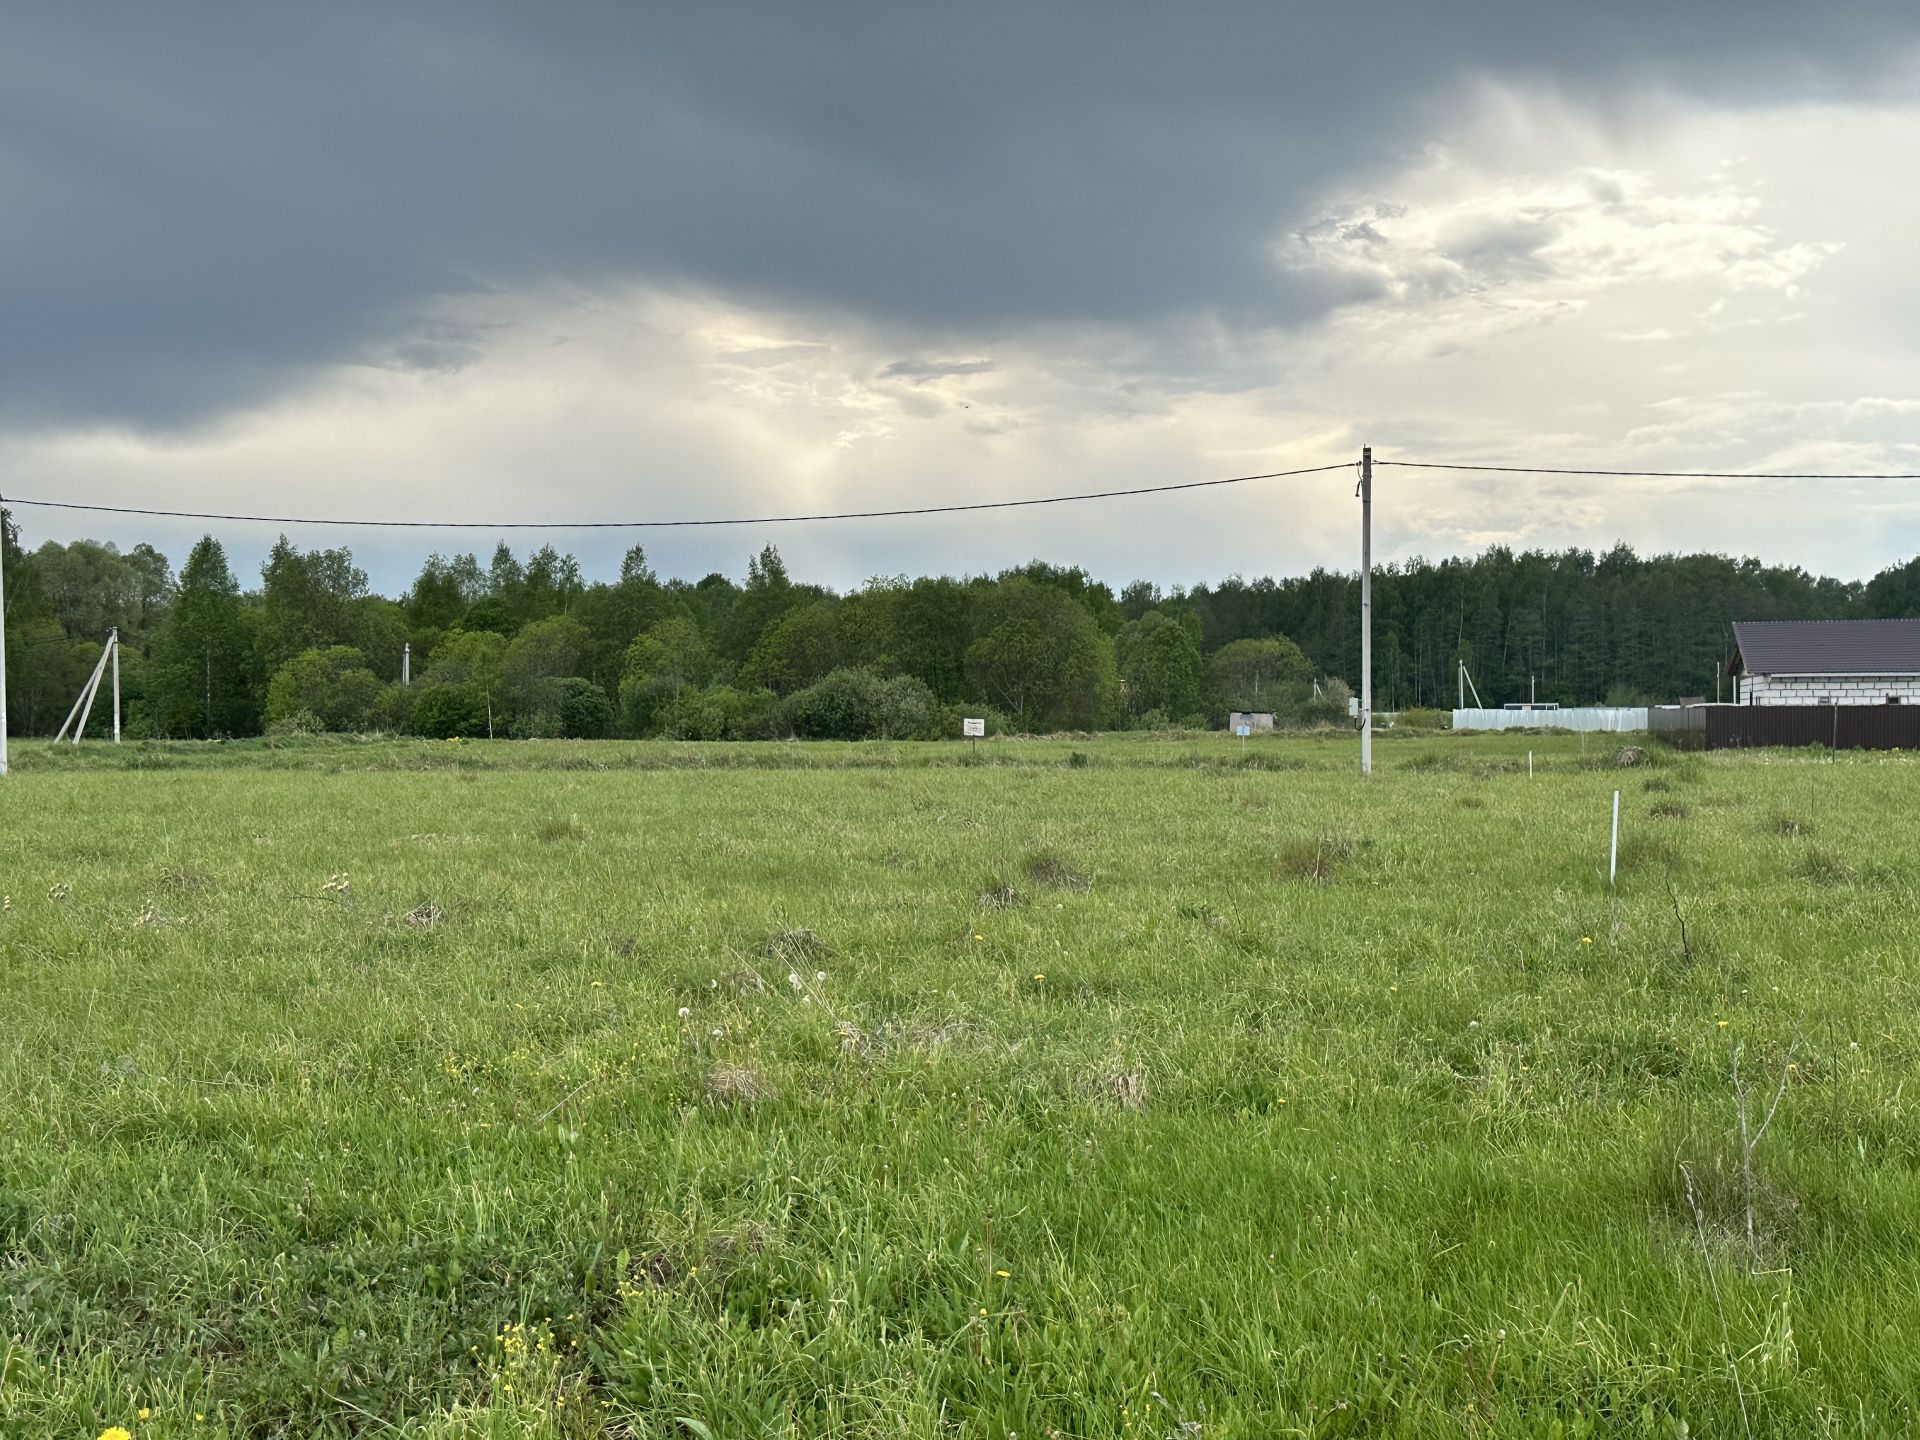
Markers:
<point>1826,662</point>
<point>1257,722</point>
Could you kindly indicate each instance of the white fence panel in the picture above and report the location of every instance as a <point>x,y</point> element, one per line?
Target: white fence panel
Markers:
<point>1608,718</point>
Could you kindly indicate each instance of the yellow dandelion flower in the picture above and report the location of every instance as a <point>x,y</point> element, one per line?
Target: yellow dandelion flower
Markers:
<point>1721,1024</point>
<point>1586,939</point>
<point>978,936</point>
<point>145,1413</point>
<point>1004,1274</point>
<point>1039,977</point>
<point>983,1310</point>
<point>115,1432</point>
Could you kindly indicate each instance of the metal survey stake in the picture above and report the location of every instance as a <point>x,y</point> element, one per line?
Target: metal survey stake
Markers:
<point>1613,852</point>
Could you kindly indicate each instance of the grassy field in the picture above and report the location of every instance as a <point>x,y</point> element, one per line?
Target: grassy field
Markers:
<point>1171,1090</point>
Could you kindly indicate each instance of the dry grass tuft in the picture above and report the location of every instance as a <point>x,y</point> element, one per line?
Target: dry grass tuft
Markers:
<point>184,880</point>
<point>744,981</point>
<point>1627,756</point>
<point>424,916</point>
<point>1055,872</point>
<point>1314,861</point>
<point>737,1087</point>
<point>1791,825</point>
<point>1002,897</point>
<point>1671,809</point>
<point>1127,1089</point>
<point>790,947</point>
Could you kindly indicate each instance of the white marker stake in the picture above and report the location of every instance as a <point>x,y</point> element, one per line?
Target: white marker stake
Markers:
<point>1613,855</point>
<point>1529,764</point>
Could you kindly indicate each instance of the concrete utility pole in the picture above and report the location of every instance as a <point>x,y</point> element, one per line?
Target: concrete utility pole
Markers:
<point>113,640</point>
<point>406,663</point>
<point>1366,609</point>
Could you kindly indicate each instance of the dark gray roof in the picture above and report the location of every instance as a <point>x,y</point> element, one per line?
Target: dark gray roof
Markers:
<point>1826,647</point>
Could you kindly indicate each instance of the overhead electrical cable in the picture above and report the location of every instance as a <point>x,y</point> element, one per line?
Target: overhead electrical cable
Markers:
<point>962,508</point>
<point>679,524</point>
<point>1649,474</point>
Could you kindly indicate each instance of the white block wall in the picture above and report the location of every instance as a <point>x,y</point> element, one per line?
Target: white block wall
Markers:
<point>1828,689</point>
<point>1572,717</point>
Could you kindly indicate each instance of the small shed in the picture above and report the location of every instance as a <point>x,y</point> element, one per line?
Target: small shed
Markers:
<point>1826,662</point>
<point>1256,722</point>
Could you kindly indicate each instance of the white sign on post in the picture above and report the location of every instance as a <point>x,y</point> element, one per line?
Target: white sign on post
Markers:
<point>1243,731</point>
<point>973,729</point>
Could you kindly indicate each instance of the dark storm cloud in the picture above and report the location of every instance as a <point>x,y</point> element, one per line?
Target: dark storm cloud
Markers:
<point>202,202</point>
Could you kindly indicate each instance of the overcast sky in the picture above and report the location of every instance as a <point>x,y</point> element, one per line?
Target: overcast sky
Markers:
<point>475,262</point>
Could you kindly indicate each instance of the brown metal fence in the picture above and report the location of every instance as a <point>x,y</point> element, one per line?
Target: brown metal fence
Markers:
<point>1735,727</point>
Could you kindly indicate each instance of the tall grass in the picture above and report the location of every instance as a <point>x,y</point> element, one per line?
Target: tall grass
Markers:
<point>508,1097</point>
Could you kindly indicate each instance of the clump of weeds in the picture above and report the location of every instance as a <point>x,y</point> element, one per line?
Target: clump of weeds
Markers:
<point>1821,866</point>
<point>1315,860</point>
<point>553,830</point>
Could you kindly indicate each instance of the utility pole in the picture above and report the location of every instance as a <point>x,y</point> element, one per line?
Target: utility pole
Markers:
<point>1463,683</point>
<point>1366,609</point>
<point>113,640</point>
<point>406,663</point>
<point>3,642</point>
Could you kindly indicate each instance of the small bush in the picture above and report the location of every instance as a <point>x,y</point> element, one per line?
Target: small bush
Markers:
<point>447,712</point>
<point>1423,719</point>
<point>851,704</point>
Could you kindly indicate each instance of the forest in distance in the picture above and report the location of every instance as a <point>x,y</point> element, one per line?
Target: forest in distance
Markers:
<point>527,645</point>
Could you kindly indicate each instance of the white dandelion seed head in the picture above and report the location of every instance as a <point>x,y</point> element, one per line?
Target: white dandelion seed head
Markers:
<point>685,1012</point>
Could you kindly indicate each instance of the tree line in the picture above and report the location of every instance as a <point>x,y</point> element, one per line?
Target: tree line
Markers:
<point>527,646</point>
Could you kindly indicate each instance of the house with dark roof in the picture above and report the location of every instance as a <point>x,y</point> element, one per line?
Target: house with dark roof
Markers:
<point>1826,662</point>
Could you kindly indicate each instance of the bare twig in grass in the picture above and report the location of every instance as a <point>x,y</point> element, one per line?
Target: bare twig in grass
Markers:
<point>1719,1305</point>
<point>562,1102</point>
<point>1686,945</point>
<point>1750,1142</point>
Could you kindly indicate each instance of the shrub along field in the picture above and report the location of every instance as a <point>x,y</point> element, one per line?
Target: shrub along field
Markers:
<point>1101,1088</point>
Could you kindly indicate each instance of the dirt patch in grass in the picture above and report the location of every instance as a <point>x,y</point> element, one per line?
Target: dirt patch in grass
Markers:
<point>1056,872</point>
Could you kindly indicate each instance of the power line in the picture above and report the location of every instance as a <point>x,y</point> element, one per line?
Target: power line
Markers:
<point>678,524</point>
<point>1647,474</point>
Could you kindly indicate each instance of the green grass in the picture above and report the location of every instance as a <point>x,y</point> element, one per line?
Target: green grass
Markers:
<point>1008,1096</point>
